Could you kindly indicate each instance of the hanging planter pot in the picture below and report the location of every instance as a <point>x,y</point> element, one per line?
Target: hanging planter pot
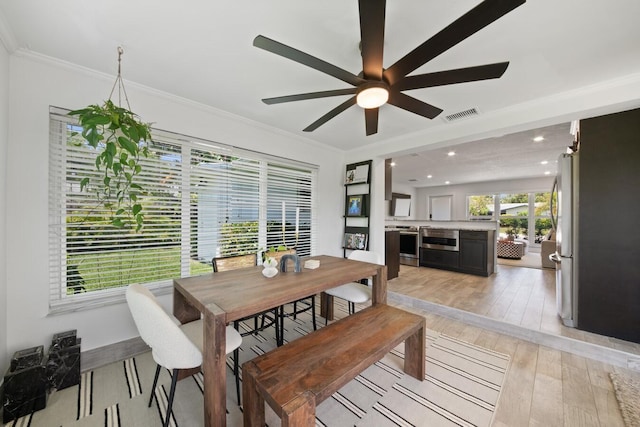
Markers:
<point>120,139</point>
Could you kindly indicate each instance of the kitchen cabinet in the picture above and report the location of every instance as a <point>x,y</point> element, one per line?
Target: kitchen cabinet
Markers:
<point>392,253</point>
<point>608,244</point>
<point>447,260</point>
<point>476,252</point>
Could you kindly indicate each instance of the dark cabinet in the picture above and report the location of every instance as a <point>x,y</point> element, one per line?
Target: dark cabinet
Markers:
<point>475,254</point>
<point>392,253</point>
<point>447,260</point>
<point>608,245</point>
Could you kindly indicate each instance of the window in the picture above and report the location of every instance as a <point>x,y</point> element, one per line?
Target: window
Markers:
<point>521,214</point>
<point>514,215</point>
<point>480,206</point>
<point>202,199</point>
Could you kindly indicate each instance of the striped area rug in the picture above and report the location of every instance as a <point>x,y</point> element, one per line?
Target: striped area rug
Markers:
<point>461,388</point>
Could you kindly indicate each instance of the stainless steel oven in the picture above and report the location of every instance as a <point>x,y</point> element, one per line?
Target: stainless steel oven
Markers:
<point>440,239</point>
<point>409,248</point>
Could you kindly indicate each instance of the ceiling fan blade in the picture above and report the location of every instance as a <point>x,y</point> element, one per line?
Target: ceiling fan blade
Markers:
<point>372,37</point>
<point>449,77</point>
<point>471,22</point>
<point>310,95</point>
<point>371,120</point>
<point>413,105</point>
<point>330,115</point>
<point>306,59</point>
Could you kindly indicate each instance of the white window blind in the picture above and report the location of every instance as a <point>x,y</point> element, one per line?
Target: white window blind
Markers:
<point>202,200</point>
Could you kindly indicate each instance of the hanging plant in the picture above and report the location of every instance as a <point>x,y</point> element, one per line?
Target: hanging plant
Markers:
<point>120,139</point>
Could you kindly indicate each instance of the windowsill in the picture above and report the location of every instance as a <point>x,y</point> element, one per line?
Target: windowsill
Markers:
<point>98,299</point>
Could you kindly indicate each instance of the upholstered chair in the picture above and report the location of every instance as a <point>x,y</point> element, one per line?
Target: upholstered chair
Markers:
<point>173,346</point>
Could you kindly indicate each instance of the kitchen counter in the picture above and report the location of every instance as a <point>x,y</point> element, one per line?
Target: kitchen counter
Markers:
<point>405,225</point>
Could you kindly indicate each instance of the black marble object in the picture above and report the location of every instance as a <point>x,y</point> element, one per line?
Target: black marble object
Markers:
<point>26,387</point>
<point>63,366</point>
<point>26,358</point>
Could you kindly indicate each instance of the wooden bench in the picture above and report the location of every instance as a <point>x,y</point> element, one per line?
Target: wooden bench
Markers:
<point>295,378</point>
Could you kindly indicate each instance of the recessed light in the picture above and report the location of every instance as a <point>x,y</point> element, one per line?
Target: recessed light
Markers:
<point>429,176</point>
<point>393,164</point>
<point>544,162</point>
<point>547,172</point>
<point>538,139</point>
<point>447,182</point>
<point>451,153</point>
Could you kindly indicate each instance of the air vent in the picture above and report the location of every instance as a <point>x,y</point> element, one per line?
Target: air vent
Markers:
<point>413,180</point>
<point>461,115</point>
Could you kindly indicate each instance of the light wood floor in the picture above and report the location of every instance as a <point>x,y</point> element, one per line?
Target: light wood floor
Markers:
<point>544,387</point>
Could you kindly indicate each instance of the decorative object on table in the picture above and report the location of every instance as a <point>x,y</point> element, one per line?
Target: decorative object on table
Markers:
<point>270,267</point>
<point>296,263</point>
<point>25,385</point>
<point>311,264</point>
<point>120,140</point>
<point>63,364</point>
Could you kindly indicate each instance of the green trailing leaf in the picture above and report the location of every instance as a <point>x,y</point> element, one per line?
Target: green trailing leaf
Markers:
<point>83,183</point>
<point>120,140</point>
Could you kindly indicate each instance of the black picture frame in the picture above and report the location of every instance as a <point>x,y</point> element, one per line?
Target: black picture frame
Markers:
<point>356,205</point>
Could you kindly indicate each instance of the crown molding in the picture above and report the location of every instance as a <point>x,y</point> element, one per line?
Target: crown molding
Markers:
<point>72,67</point>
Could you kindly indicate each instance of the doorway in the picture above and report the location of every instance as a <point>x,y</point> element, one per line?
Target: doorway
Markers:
<point>440,208</point>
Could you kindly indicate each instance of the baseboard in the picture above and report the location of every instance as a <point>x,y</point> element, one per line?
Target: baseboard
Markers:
<point>111,353</point>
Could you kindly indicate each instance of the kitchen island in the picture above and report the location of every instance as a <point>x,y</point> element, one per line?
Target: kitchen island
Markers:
<point>463,246</point>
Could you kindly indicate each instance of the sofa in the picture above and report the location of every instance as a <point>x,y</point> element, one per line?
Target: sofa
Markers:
<point>547,247</point>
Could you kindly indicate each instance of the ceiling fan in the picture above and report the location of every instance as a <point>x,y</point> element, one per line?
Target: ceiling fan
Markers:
<point>375,85</point>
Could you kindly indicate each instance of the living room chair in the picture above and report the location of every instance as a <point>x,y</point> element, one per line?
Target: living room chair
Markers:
<point>267,318</point>
<point>174,347</point>
<point>356,292</point>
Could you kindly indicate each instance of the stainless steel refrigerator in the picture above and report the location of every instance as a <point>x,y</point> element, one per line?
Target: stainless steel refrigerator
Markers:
<point>565,189</point>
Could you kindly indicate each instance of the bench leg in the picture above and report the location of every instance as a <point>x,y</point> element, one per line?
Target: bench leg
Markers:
<point>414,353</point>
<point>300,411</point>
<point>253,408</point>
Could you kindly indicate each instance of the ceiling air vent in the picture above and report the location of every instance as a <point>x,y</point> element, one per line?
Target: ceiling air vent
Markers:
<point>461,115</point>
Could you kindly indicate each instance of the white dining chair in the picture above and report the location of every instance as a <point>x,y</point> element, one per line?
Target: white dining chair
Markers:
<point>173,346</point>
<point>356,293</point>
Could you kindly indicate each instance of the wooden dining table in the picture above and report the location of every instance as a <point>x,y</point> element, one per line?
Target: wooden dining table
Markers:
<point>220,298</point>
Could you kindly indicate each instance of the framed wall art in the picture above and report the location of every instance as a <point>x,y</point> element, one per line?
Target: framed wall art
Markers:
<point>356,205</point>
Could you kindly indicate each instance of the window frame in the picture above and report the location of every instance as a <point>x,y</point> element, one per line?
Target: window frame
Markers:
<point>297,183</point>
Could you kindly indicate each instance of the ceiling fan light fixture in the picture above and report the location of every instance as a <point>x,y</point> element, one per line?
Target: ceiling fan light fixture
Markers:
<point>372,94</point>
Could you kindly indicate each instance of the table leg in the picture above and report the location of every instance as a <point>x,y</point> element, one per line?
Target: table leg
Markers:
<point>414,353</point>
<point>182,309</point>
<point>379,293</point>
<point>326,306</point>
<point>214,367</point>
<point>252,400</point>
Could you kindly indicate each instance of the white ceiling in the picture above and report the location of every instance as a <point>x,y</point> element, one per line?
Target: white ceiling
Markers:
<point>202,50</point>
<point>505,157</point>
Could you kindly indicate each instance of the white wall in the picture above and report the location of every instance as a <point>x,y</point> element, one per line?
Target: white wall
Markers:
<point>4,134</point>
<point>37,83</point>
<point>460,193</point>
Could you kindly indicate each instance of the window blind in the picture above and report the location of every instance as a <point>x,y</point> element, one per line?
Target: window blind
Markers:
<point>202,199</point>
